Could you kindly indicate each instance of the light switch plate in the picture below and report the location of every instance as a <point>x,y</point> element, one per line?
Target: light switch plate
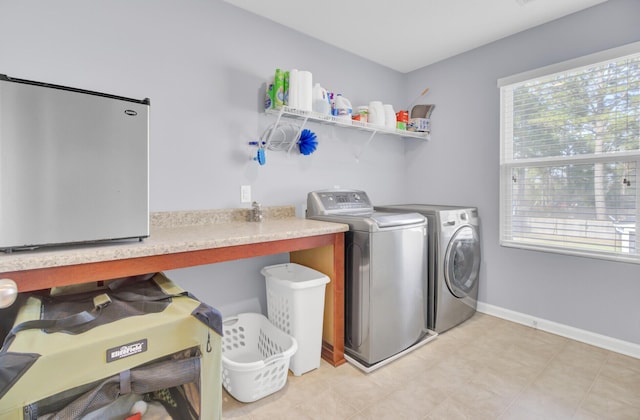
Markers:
<point>245,193</point>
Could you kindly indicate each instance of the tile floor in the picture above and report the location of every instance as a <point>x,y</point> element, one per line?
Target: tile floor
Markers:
<point>486,368</point>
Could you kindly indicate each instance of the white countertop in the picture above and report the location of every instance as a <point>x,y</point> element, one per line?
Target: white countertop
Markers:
<point>174,232</point>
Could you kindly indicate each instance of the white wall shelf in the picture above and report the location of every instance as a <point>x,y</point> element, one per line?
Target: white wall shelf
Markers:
<point>286,111</point>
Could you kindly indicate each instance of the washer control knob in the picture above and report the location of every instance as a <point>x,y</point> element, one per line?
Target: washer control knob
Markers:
<point>463,216</point>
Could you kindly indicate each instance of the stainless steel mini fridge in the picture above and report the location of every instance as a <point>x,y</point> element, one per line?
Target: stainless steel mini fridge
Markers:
<point>74,165</point>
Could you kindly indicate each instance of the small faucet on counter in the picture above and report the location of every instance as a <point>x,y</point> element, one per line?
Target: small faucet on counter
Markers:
<point>256,212</point>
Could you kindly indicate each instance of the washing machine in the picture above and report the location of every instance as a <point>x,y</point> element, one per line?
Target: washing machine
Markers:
<point>385,268</point>
<point>454,262</point>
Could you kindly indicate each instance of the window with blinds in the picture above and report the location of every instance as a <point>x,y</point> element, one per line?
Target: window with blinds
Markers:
<point>570,149</point>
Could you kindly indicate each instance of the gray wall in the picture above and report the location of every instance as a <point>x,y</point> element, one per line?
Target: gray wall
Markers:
<point>203,63</point>
<point>460,165</point>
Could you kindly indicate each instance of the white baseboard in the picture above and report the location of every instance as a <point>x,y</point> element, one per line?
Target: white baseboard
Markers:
<point>598,340</point>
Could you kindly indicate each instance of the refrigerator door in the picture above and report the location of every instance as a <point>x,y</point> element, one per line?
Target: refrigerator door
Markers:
<point>73,165</point>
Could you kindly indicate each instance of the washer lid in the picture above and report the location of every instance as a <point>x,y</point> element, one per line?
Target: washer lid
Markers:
<point>383,219</point>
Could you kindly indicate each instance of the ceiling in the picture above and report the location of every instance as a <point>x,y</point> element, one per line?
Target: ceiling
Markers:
<point>409,34</point>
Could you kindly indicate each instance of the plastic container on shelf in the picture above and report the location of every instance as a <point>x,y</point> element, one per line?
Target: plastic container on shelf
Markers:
<point>419,124</point>
<point>268,95</point>
<point>278,89</point>
<point>295,304</point>
<point>321,102</point>
<point>255,356</point>
<point>402,119</point>
<point>287,78</point>
<point>342,108</point>
<point>389,116</point>
<point>376,113</point>
<point>363,111</point>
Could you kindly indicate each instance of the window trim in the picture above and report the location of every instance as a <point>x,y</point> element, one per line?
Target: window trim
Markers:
<point>572,64</point>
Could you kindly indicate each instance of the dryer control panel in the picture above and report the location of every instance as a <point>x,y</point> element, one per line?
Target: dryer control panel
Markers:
<point>458,217</point>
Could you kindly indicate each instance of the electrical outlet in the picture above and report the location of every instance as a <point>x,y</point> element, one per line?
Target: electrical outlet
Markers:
<point>245,193</point>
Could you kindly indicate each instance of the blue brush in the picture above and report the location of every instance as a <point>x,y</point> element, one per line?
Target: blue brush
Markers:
<point>261,157</point>
<point>307,142</point>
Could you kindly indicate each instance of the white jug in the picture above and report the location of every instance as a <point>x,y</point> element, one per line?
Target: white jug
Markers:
<point>389,117</point>
<point>321,102</point>
<point>343,109</point>
<point>376,113</point>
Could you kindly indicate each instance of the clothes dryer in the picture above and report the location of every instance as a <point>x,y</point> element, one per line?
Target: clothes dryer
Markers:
<point>454,262</point>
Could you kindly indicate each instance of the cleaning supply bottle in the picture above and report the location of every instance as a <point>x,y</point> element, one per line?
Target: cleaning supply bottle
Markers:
<point>363,111</point>
<point>343,109</point>
<point>376,113</point>
<point>321,102</point>
<point>268,95</point>
<point>278,89</point>
<point>285,99</point>
<point>389,117</point>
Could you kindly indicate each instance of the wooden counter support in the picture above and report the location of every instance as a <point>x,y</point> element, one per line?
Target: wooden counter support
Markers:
<point>333,345</point>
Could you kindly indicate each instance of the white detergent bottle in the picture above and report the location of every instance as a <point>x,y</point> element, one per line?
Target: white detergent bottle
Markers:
<point>321,102</point>
<point>376,113</point>
<point>343,108</point>
<point>389,117</point>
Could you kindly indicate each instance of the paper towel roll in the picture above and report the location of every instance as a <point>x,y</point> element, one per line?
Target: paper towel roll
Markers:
<point>305,93</point>
<point>294,89</point>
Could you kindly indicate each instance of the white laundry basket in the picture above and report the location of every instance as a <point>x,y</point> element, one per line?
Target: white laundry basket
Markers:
<point>295,304</point>
<point>255,356</point>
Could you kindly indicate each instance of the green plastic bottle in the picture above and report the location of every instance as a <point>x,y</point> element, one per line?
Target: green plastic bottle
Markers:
<point>278,89</point>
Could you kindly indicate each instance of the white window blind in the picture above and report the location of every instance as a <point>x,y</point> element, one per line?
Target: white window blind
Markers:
<point>570,149</point>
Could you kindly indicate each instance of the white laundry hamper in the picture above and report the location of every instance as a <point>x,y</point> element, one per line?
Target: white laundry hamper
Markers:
<point>295,304</point>
<point>255,357</point>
